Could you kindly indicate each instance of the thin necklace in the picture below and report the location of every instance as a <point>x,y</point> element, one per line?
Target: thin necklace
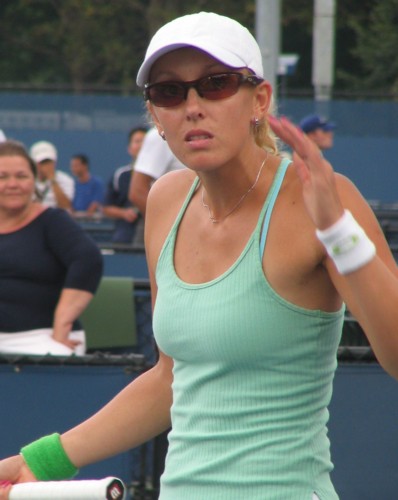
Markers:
<point>211,216</point>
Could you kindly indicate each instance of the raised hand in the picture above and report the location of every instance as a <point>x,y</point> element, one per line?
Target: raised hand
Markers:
<point>316,174</point>
<point>5,487</point>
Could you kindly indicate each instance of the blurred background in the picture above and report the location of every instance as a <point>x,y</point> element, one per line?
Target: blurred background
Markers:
<point>67,74</point>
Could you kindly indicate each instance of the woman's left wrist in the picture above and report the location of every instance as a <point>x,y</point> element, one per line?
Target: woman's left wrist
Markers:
<point>347,244</point>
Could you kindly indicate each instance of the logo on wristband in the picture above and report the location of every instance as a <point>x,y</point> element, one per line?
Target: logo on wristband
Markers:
<point>345,244</point>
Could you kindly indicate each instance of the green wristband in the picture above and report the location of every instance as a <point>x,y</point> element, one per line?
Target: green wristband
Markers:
<point>47,459</point>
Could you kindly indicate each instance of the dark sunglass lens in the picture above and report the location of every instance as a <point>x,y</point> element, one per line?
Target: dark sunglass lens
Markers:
<point>220,86</point>
<point>166,94</point>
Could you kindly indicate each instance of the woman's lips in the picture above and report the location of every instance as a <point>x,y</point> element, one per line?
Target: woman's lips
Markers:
<point>198,135</point>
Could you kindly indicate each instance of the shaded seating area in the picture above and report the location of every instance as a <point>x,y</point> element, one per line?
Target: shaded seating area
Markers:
<point>109,320</point>
<point>387,215</point>
<point>101,230</point>
<point>126,262</point>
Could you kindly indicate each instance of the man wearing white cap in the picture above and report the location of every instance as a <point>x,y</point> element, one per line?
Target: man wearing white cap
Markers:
<point>53,188</point>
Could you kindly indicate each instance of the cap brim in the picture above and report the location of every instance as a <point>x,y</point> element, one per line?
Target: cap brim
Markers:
<point>39,159</point>
<point>329,126</point>
<point>224,56</point>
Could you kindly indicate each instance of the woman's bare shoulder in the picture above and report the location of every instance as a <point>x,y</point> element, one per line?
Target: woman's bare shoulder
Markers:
<point>165,200</point>
<point>169,191</point>
<point>172,182</point>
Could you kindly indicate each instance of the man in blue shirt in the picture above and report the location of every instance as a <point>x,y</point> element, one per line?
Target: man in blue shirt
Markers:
<point>128,220</point>
<point>89,189</point>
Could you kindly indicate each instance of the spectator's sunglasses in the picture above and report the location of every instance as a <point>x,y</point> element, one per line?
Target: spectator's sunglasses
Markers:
<point>213,87</point>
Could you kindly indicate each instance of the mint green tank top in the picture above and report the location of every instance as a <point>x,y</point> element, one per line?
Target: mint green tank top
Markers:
<point>252,381</point>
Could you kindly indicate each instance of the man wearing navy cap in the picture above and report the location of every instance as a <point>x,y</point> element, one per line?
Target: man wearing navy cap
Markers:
<point>319,130</point>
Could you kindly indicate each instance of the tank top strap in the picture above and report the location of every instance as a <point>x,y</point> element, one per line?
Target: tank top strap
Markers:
<point>184,206</point>
<point>266,212</point>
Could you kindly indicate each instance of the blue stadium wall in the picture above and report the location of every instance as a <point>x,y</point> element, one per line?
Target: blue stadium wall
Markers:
<point>366,141</point>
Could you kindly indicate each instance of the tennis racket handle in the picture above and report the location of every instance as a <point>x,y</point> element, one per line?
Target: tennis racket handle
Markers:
<point>109,488</point>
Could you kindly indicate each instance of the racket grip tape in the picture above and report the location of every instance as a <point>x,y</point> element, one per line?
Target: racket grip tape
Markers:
<point>109,488</point>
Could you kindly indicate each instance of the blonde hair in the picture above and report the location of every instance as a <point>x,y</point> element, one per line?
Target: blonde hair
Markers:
<point>263,134</point>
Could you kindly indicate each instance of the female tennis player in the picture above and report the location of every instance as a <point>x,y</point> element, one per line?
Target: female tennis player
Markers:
<point>252,260</point>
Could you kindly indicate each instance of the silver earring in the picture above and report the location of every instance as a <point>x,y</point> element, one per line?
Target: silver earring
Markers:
<point>163,135</point>
<point>256,122</point>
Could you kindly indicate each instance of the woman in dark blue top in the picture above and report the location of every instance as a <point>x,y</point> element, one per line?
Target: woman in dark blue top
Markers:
<point>49,267</point>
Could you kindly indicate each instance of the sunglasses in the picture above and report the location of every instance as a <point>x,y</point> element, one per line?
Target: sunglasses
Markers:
<point>213,87</point>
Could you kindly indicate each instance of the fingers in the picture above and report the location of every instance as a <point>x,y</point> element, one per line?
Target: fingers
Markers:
<point>75,343</point>
<point>72,344</point>
<point>285,129</point>
<point>306,149</point>
<point>301,169</point>
<point>5,488</point>
<point>315,173</point>
<point>288,132</point>
<point>130,215</point>
<point>306,154</point>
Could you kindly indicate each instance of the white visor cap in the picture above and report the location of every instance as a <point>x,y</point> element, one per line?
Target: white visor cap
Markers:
<point>221,37</point>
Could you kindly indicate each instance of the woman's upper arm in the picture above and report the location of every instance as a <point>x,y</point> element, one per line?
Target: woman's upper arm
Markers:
<point>354,201</point>
<point>76,250</point>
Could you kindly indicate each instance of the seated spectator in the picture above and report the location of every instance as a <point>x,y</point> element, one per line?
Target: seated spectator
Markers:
<point>49,267</point>
<point>89,189</point>
<point>117,204</point>
<point>53,187</point>
<point>154,160</point>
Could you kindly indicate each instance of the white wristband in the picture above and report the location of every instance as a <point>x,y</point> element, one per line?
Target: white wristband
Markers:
<point>347,244</point>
